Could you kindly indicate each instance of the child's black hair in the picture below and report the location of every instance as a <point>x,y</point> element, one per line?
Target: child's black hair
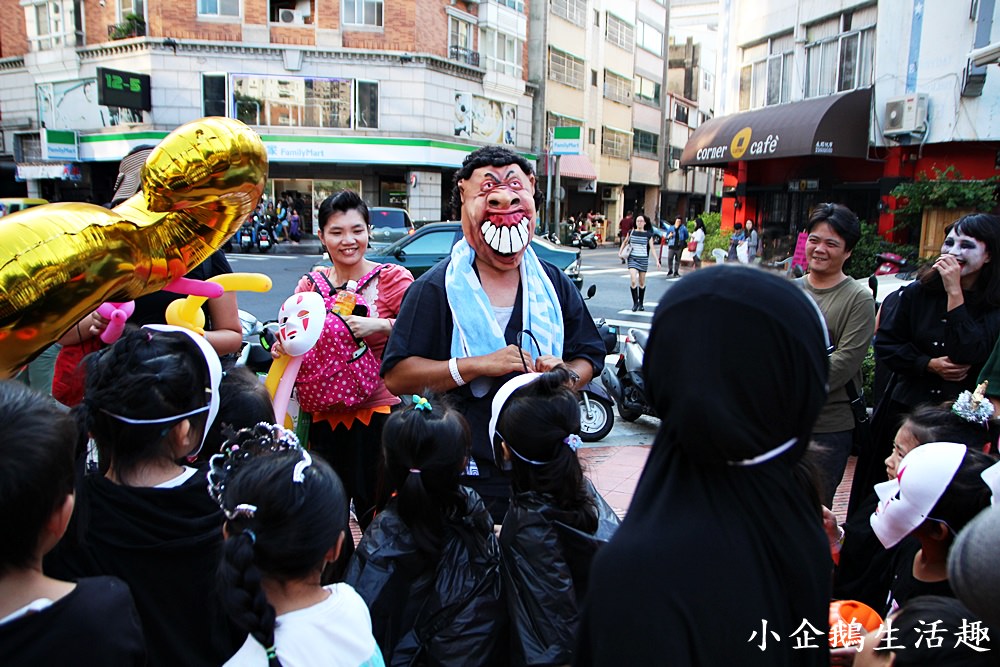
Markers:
<point>535,423</point>
<point>912,629</point>
<point>243,402</point>
<point>36,474</point>
<point>286,537</point>
<point>966,495</point>
<point>938,423</point>
<point>425,452</point>
<point>145,374</point>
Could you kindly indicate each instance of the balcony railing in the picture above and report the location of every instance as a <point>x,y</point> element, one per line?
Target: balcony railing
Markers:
<point>462,54</point>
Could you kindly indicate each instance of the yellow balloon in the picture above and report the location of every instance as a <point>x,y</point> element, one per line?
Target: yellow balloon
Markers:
<point>187,312</point>
<point>58,262</point>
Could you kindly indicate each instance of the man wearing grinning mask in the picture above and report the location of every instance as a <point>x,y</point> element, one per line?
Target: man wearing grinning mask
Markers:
<point>490,311</point>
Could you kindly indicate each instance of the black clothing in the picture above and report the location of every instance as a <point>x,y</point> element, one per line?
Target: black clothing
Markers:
<point>424,328</point>
<point>919,328</point>
<point>166,544</point>
<point>152,308</point>
<point>442,611</point>
<point>716,539</point>
<point>95,624</point>
<point>546,568</point>
<point>905,586</point>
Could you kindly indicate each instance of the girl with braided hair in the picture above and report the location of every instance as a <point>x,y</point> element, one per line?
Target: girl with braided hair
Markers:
<point>429,565</point>
<point>144,515</point>
<point>286,517</point>
<point>557,520</point>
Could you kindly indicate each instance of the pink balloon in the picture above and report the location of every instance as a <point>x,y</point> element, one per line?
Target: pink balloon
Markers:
<point>193,287</point>
<point>284,391</point>
<point>116,313</point>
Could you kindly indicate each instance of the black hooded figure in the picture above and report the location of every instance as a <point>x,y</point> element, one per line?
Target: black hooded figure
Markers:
<point>722,559</point>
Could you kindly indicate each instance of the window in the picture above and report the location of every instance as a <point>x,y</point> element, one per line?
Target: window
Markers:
<point>213,94</point>
<point>614,143</point>
<point>616,88</point>
<point>591,136</point>
<point>574,11</point>
<point>50,28</point>
<point>502,52</point>
<point>460,41</point>
<point>127,7</point>
<point>303,102</point>
<point>219,8</point>
<point>840,63</point>
<point>649,37</point>
<point>362,12</point>
<point>557,120</point>
<point>565,68</point>
<point>620,33</point>
<point>647,90</point>
<point>597,17</point>
<point>766,73</point>
<point>433,243</point>
<point>681,113</point>
<point>645,143</point>
<point>366,107</point>
<point>593,77</point>
<point>516,5</point>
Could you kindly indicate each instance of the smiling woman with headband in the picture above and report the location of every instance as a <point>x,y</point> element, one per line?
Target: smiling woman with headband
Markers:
<point>724,529</point>
<point>145,516</point>
<point>557,520</point>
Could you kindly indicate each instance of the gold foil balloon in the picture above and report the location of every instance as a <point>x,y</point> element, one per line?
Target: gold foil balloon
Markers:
<point>59,262</point>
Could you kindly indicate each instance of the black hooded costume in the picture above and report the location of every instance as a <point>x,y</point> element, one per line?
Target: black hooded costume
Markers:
<point>722,551</point>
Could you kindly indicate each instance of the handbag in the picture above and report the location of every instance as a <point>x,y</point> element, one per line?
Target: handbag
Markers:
<point>626,248</point>
<point>692,245</point>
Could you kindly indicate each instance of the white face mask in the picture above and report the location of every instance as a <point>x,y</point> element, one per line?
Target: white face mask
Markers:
<point>301,320</point>
<point>921,479</point>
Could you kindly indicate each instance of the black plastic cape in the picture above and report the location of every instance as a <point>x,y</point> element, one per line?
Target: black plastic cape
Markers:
<point>546,566</point>
<point>721,559</point>
<point>449,611</point>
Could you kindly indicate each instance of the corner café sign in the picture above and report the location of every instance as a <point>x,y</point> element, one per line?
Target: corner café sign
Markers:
<point>742,143</point>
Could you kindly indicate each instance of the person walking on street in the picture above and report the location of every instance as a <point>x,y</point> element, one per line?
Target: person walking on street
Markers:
<point>698,236</point>
<point>640,243</point>
<point>676,240</point>
<point>849,311</point>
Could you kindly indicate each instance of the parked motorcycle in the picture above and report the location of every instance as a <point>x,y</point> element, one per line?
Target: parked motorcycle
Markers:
<point>597,414</point>
<point>246,235</point>
<point>890,262</point>
<point>624,382</point>
<point>551,237</point>
<point>258,337</point>
<point>585,240</point>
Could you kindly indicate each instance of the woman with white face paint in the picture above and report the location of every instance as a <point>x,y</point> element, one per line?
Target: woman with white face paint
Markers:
<point>942,332</point>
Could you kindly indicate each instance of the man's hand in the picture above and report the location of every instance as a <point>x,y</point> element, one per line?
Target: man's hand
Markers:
<point>510,359</point>
<point>948,369</point>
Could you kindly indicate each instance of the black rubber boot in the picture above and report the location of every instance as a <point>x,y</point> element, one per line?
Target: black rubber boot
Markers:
<point>642,295</point>
<point>635,299</point>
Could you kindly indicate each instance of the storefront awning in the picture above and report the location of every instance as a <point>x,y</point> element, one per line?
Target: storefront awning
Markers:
<point>577,166</point>
<point>26,171</point>
<point>835,125</point>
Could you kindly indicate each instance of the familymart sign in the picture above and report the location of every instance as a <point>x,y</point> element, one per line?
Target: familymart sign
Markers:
<point>566,141</point>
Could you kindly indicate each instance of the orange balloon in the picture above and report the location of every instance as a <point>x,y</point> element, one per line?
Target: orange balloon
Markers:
<point>59,262</point>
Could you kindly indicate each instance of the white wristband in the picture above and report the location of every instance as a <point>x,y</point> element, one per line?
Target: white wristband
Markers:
<point>455,375</point>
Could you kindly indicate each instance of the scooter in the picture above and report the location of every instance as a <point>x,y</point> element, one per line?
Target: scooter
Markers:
<point>552,238</point>
<point>246,234</point>
<point>255,352</point>
<point>597,414</point>
<point>585,240</point>
<point>890,262</point>
<point>625,383</point>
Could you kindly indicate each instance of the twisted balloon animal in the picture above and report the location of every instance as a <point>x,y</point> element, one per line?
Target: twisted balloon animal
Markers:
<point>59,262</point>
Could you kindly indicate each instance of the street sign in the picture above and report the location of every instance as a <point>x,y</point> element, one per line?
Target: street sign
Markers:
<point>566,141</point>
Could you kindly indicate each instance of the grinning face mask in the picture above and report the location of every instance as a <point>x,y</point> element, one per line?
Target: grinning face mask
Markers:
<point>921,479</point>
<point>498,214</point>
<point>301,320</point>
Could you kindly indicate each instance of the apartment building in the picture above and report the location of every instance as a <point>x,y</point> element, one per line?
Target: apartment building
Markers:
<point>383,97</point>
<point>841,101</point>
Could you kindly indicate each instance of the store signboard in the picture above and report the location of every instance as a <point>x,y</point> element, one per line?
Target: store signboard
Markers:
<point>59,145</point>
<point>116,88</point>
<point>566,141</point>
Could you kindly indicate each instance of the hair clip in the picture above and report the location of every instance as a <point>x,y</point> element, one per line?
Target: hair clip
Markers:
<point>247,444</point>
<point>299,473</point>
<point>974,406</point>
<point>573,440</point>
<point>244,510</point>
<point>421,403</point>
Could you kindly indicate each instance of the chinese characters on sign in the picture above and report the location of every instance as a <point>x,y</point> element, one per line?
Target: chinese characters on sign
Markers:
<point>931,634</point>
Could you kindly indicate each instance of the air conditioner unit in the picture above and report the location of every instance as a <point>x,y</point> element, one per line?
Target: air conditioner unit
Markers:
<point>675,165</point>
<point>906,115</point>
<point>608,193</point>
<point>291,16</point>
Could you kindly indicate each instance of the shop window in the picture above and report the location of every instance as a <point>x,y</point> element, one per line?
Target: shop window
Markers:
<point>565,68</point>
<point>620,33</point>
<point>362,13</point>
<point>574,11</point>
<point>645,143</point>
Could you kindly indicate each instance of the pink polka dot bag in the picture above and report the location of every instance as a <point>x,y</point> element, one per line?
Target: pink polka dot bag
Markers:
<point>341,371</point>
